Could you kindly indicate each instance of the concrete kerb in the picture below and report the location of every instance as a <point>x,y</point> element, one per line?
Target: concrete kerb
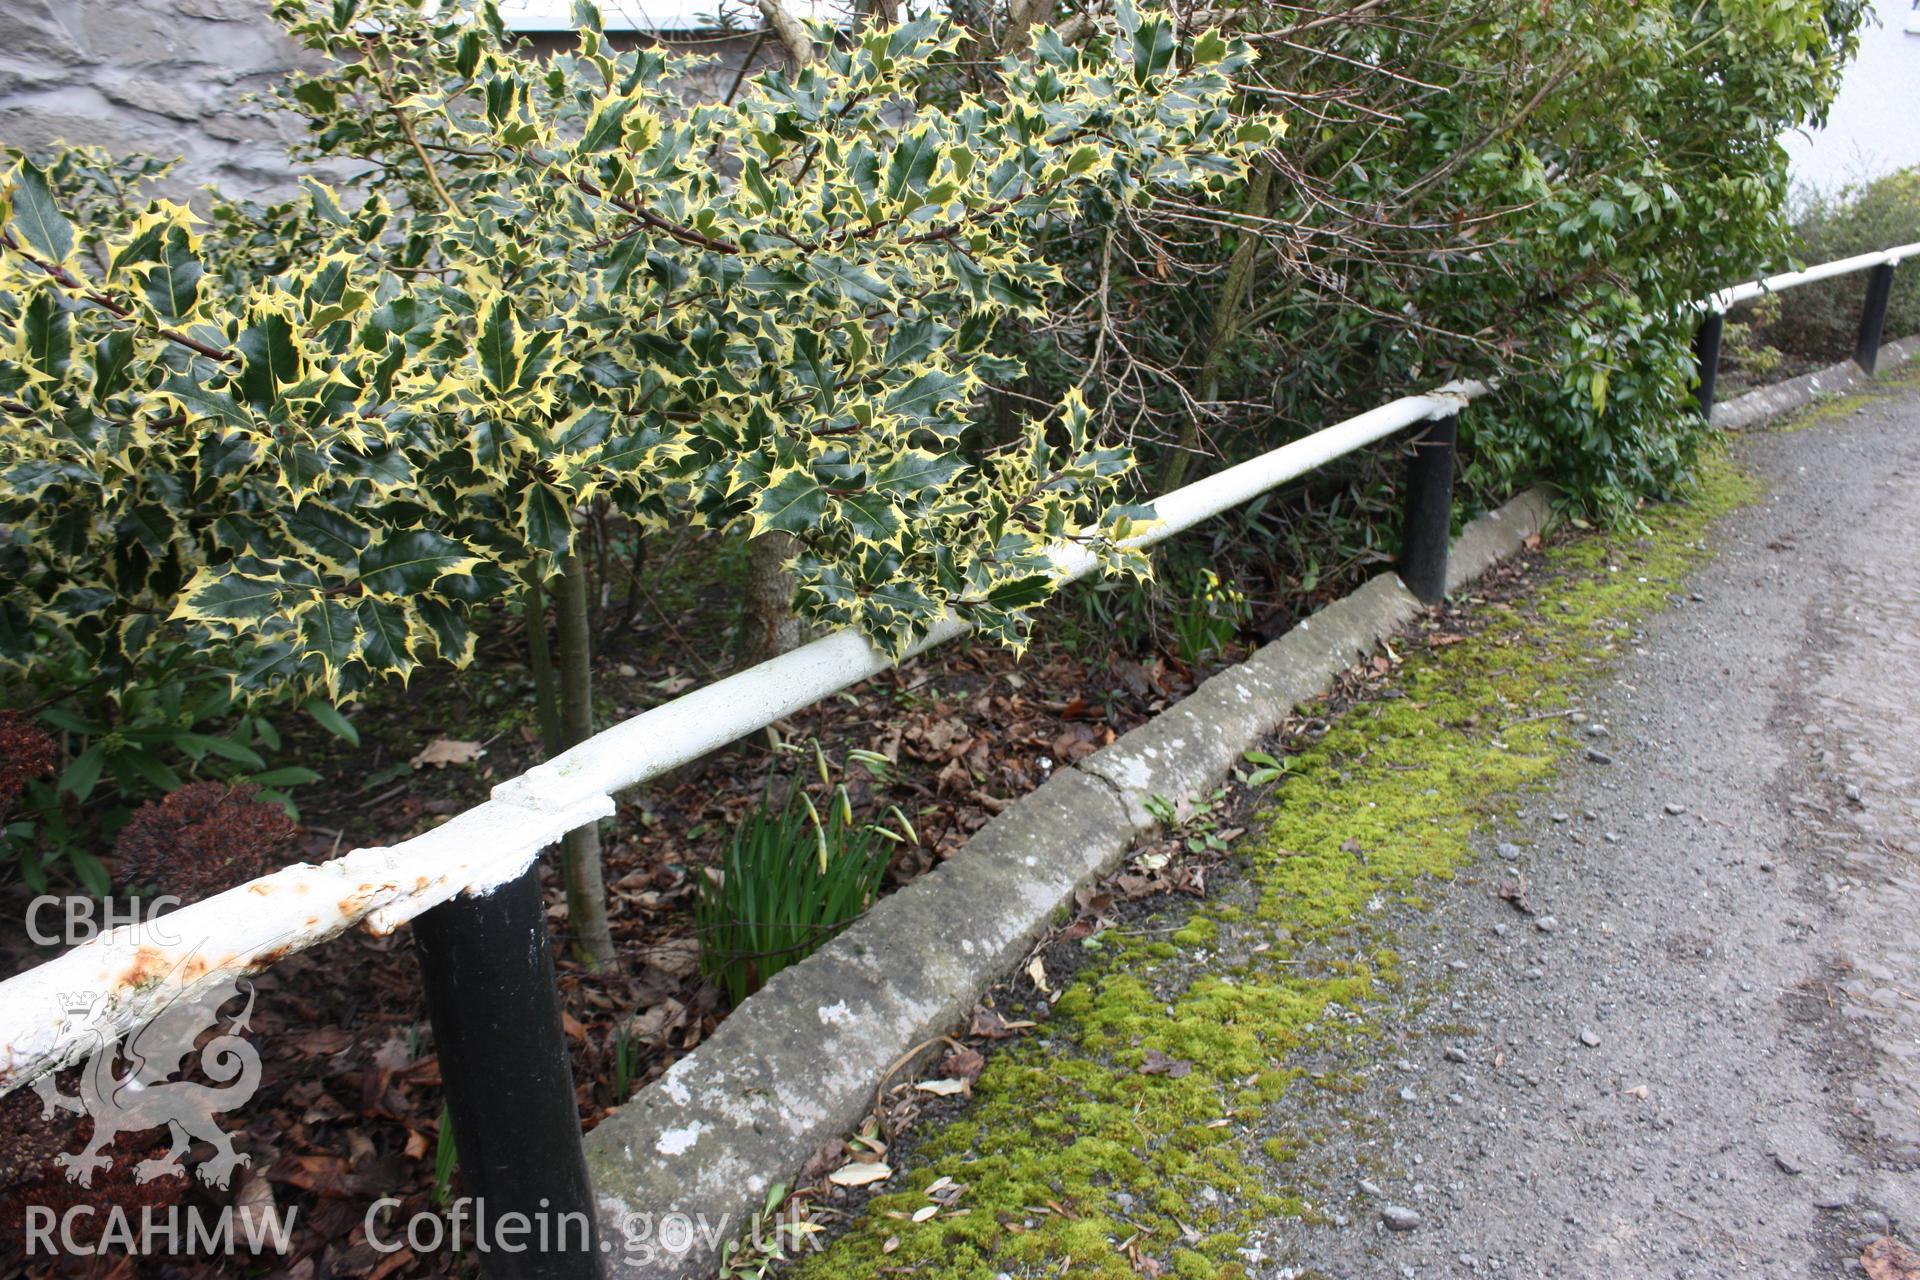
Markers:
<point>1189,747</point>
<point>798,1064</point>
<point>689,1160</point>
<point>1496,535</point>
<point>1758,405</point>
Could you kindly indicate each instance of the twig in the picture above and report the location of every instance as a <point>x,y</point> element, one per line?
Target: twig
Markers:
<point>1544,715</point>
<point>787,30</point>
<point>66,278</point>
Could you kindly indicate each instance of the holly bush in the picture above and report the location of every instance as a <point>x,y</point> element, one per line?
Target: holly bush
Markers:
<point>318,436</point>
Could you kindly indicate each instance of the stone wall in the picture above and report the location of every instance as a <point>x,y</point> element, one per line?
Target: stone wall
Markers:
<point>161,77</point>
<point>171,78</point>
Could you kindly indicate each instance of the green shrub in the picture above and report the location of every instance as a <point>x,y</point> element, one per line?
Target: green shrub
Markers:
<point>1819,322</point>
<point>1207,615</point>
<point>324,438</point>
<point>1491,188</point>
<point>112,745</point>
<point>1107,618</point>
<point>788,883</point>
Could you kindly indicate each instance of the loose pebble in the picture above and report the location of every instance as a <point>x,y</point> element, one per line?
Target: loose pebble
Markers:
<point>1399,1218</point>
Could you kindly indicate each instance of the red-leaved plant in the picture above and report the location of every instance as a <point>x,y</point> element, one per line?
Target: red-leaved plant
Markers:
<point>26,753</point>
<point>202,839</point>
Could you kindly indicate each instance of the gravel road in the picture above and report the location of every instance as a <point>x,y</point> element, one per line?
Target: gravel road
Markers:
<point>1710,1064</point>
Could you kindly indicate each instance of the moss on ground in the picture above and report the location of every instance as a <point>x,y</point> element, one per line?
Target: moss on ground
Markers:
<point>1072,1157</point>
<point>1825,409</point>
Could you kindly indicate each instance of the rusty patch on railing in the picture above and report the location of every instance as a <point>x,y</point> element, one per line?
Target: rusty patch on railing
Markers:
<point>129,974</point>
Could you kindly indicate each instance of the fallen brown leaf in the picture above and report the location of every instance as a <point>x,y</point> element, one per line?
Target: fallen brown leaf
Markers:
<point>1514,893</point>
<point>1159,1064</point>
<point>1037,974</point>
<point>860,1175</point>
<point>963,1064</point>
<point>942,1088</point>
<point>324,1042</point>
<point>830,1155</point>
<point>442,752</point>
<point>989,1025</point>
<point>1888,1259</point>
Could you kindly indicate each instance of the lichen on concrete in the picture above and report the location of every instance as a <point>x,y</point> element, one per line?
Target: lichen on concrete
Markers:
<point>1129,1126</point>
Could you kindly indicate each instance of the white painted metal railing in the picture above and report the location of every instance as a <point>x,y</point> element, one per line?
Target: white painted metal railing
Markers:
<point>1729,298</point>
<point>134,971</point>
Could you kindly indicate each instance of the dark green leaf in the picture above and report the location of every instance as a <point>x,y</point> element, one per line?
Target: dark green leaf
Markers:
<point>286,776</point>
<point>913,162</point>
<point>327,631</point>
<point>855,283</point>
<point>79,778</point>
<point>173,284</point>
<point>48,331</point>
<point>1152,46</point>
<point>406,564</point>
<point>42,225</point>
<point>61,718</point>
<point>112,357</point>
<point>545,522</point>
<point>226,595</point>
<point>328,717</point>
<point>450,634</point>
<point>914,341</point>
<point>603,132</point>
<point>915,471</point>
<point>494,345</point>
<point>92,872</point>
<point>135,765</point>
<point>872,516</point>
<point>218,405</point>
<point>919,399</point>
<point>335,537</point>
<point>198,744</point>
<point>383,636</point>
<point>271,353</point>
<point>794,503</point>
<point>466,57</point>
<point>1021,592</point>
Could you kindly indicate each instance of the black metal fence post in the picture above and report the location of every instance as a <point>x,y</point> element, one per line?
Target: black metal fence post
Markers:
<point>1429,513</point>
<point>1706,360</point>
<point>1873,316</point>
<point>490,989</point>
